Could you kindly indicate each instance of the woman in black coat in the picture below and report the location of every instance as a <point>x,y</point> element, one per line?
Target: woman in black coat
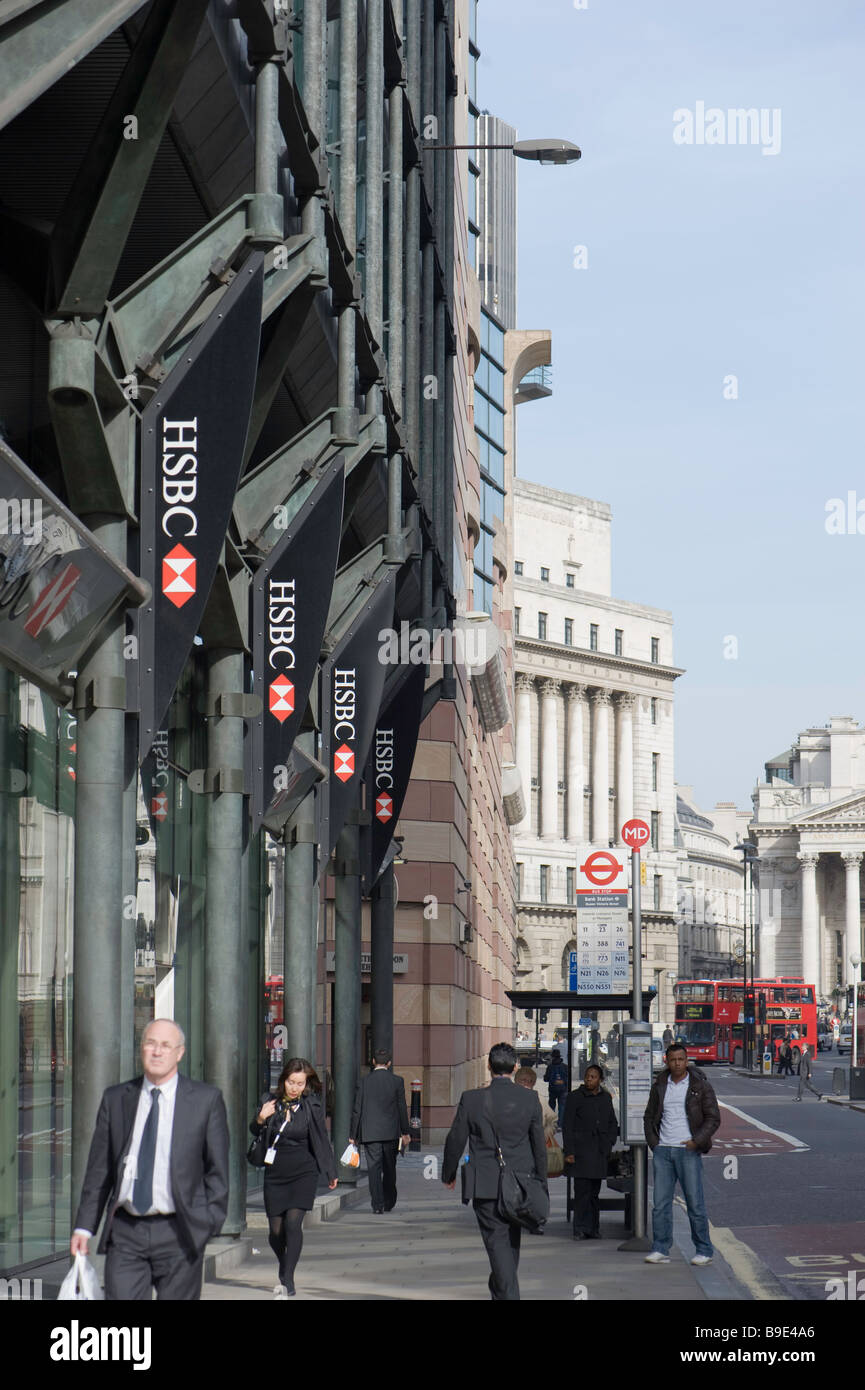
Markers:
<point>300,1150</point>
<point>589,1131</point>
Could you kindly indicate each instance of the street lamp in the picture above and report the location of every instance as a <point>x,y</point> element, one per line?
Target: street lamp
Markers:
<point>855,961</point>
<point>749,854</point>
<point>542,151</point>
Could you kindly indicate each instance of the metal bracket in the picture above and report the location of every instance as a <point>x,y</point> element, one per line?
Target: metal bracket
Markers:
<point>208,780</point>
<point>346,868</point>
<point>301,834</point>
<point>231,704</point>
<point>104,692</point>
<point>356,817</point>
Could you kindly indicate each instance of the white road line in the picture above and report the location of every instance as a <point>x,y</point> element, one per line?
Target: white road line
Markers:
<point>798,1145</point>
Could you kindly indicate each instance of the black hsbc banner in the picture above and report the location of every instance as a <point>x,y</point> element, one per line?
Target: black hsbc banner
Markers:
<point>388,770</point>
<point>290,602</point>
<point>352,688</point>
<point>193,435</point>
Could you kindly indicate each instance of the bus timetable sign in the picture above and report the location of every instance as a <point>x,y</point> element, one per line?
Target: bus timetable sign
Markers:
<point>600,963</point>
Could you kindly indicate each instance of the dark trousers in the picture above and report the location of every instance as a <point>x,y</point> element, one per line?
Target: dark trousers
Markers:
<point>381,1171</point>
<point>145,1252</point>
<point>502,1242</point>
<point>587,1208</point>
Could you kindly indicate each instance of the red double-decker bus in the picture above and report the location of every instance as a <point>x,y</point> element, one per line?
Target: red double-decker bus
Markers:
<point>710,1017</point>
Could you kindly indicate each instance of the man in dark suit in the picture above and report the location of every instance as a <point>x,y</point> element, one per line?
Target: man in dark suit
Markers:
<point>516,1115</point>
<point>159,1164</point>
<point>379,1120</point>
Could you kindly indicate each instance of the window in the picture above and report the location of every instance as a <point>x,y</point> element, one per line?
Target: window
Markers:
<point>656,768</point>
<point>569,581</point>
<point>542,626</point>
<point>656,650</point>
<point>656,899</point>
<point>593,637</point>
<point>696,993</point>
<point>653,705</point>
<point>545,879</point>
<point>519,880</point>
<point>545,575</point>
<point>620,642</point>
<point>656,830</point>
<point>518,566</point>
<point>571,885</point>
<point>517,612</point>
<point>569,632</point>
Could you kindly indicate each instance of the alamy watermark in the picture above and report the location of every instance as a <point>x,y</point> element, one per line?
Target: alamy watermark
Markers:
<point>21,516</point>
<point>736,126</point>
<point>468,643</point>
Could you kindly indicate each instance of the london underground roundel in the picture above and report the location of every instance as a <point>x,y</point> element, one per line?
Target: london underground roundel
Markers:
<point>601,868</point>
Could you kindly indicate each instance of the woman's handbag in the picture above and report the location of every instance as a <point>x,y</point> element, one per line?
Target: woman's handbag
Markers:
<point>523,1199</point>
<point>257,1149</point>
<point>555,1158</point>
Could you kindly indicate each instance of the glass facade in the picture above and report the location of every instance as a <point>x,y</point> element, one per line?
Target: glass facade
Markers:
<point>489,407</point>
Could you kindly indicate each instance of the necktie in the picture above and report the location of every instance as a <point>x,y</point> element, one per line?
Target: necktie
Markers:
<point>142,1192</point>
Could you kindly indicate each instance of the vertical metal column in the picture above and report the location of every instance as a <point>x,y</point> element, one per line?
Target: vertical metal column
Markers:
<point>300,926</point>
<point>395,250</point>
<point>225,1006</point>
<point>412,244</point>
<point>100,782</point>
<point>374,287</point>
<point>381,966</point>
<point>128,1055</point>
<point>345,426</point>
<point>640,1155</point>
<point>315,101</point>
<point>347,989</point>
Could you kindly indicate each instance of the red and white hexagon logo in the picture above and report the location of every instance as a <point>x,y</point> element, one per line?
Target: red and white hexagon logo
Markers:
<point>384,806</point>
<point>343,762</point>
<point>281,694</point>
<point>159,806</point>
<point>178,576</point>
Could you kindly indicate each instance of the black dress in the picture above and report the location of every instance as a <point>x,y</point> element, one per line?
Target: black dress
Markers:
<point>291,1180</point>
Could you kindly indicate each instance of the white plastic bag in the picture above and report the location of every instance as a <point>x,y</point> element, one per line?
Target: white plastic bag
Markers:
<point>81,1283</point>
<point>351,1157</point>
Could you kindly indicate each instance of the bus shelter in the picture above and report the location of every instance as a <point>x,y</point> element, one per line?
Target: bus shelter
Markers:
<point>571,1003</point>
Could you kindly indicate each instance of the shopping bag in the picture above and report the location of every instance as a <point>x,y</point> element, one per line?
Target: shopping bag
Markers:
<point>351,1157</point>
<point>81,1283</point>
<point>555,1159</point>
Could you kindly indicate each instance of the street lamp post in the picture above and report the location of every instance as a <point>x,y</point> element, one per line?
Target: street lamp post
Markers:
<point>748,849</point>
<point>542,151</point>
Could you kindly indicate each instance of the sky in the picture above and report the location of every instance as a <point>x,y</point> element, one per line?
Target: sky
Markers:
<point>704,262</point>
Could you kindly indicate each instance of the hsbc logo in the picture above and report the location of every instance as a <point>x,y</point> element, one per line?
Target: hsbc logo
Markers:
<point>178,576</point>
<point>281,698</point>
<point>384,807</point>
<point>384,753</point>
<point>159,806</point>
<point>343,762</point>
<point>179,475</point>
<point>52,600</point>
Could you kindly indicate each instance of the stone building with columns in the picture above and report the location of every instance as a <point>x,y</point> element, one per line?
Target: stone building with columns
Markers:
<point>594,742</point>
<point>710,895</point>
<point>809,826</point>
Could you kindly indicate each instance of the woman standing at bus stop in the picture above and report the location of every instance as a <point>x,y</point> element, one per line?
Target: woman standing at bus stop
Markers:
<point>589,1131</point>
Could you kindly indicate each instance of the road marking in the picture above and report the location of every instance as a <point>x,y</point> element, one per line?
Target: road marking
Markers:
<point>746,1266</point>
<point>798,1145</point>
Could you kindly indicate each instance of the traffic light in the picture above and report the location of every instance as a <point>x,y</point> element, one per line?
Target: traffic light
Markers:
<point>749,1005</point>
<point>543,1015</point>
<point>761,1009</point>
<point>529,1013</point>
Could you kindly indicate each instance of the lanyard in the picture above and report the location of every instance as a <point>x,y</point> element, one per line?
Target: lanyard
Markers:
<point>285,1122</point>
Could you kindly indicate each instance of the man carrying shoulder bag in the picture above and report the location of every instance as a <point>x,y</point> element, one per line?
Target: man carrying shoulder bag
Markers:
<point>501,1118</point>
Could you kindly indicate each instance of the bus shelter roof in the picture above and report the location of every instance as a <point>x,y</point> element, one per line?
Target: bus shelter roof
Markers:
<point>579,1003</point>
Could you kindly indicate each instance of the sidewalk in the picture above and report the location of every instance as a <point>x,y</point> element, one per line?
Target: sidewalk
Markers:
<point>429,1248</point>
<point>829,1099</point>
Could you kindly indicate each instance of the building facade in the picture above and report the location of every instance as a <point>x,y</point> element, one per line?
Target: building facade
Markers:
<point>809,827</point>
<point>595,682</point>
<point>711,907</point>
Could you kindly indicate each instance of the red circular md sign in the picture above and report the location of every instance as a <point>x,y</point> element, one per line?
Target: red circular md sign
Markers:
<point>601,868</point>
<point>635,833</point>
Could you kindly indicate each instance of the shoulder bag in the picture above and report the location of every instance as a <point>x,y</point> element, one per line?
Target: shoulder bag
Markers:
<point>522,1199</point>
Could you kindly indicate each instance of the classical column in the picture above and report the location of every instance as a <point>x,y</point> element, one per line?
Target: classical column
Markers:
<point>601,767</point>
<point>853,934</point>
<point>810,918</point>
<point>550,691</point>
<point>625,763</point>
<point>576,774</point>
<point>525,697</point>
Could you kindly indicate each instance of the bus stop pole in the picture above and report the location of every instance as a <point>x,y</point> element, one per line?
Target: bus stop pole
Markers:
<point>639,1150</point>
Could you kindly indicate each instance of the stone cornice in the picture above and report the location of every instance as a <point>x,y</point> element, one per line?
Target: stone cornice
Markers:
<point>569,656</point>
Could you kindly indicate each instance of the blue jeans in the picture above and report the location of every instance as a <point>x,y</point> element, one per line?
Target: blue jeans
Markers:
<point>686,1166</point>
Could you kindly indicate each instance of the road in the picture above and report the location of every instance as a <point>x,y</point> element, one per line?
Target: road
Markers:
<point>783,1182</point>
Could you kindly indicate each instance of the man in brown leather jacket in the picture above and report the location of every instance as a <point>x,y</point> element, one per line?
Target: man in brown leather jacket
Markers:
<point>680,1119</point>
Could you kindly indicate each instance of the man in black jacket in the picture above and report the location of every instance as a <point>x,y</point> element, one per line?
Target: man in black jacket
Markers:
<point>379,1120</point>
<point>680,1119</point>
<point>514,1114</point>
<point>159,1164</point>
